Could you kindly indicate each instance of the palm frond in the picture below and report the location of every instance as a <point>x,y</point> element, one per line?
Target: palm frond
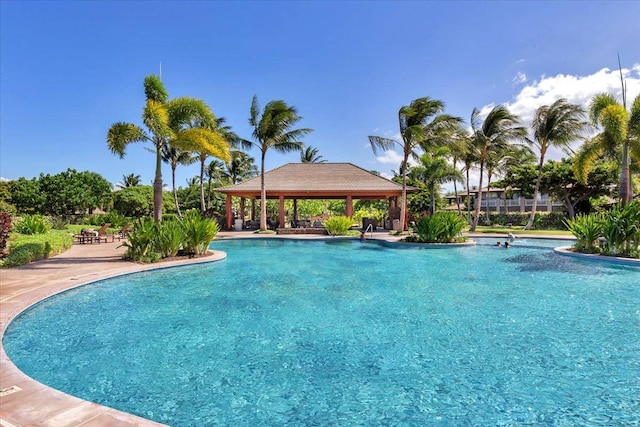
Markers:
<point>590,151</point>
<point>121,134</point>
<point>156,117</point>
<point>154,89</point>
<point>381,143</point>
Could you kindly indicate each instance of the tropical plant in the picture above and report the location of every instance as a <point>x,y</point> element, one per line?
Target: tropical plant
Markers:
<point>272,128</point>
<point>441,227</point>
<point>140,244</point>
<point>621,229</point>
<point>24,249</point>
<point>557,125</point>
<point>32,224</point>
<point>619,139</point>
<point>310,155</point>
<point>498,129</point>
<point>421,122</point>
<point>338,225</point>
<point>199,232</point>
<point>170,237</point>
<point>586,228</point>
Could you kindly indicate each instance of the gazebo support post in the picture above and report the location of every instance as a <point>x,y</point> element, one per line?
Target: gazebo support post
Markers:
<point>281,212</point>
<point>295,209</point>
<point>349,206</point>
<point>228,211</point>
<point>242,206</point>
<point>253,209</point>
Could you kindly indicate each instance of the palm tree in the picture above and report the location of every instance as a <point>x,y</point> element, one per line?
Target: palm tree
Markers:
<point>557,125</point>
<point>174,157</point>
<point>496,131</point>
<point>432,170</point>
<point>620,138</point>
<point>310,155</point>
<point>273,129</point>
<point>214,172</point>
<point>241,167</point>
<point>131,180</point>
<point>164,121</point>
<point>420,121</point>
<point>500,161</point>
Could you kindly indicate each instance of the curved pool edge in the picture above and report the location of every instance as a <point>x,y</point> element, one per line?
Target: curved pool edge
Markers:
<point>25,401</point>
<point>566,251</point>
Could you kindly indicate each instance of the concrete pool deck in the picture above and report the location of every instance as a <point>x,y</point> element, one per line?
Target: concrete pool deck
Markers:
<point>26,402</point>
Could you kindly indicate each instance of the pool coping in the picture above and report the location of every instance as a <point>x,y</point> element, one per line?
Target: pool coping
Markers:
<point>566,251</point>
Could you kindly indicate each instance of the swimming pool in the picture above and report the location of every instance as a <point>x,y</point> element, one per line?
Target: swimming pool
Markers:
<point>349,333</point>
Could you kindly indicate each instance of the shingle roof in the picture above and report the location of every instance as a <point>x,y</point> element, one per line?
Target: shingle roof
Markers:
<point>309,179</point>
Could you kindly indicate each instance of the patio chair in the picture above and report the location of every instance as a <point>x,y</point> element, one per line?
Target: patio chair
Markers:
<point>122,233</point>
<point>102,233</point>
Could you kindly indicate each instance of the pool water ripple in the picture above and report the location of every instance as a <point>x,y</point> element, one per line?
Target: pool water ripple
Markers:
<point>349,333</point>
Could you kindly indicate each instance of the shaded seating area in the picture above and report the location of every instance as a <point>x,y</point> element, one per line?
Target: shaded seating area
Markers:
<point>308,181</point>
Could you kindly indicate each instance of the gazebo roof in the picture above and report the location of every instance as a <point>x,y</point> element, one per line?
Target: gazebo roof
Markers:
<point>318,181</point>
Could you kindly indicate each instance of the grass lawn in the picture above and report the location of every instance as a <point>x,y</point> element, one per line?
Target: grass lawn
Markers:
<point>520,231</point>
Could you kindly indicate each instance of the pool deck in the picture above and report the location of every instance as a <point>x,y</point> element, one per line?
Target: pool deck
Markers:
<point>26,402</point>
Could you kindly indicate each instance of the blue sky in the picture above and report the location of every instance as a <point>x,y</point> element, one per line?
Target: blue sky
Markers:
<point>69,70</point>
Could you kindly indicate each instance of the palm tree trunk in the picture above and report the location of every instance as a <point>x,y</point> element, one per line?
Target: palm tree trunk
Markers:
<point>625,183</point>
<point>536,191</point>
<point>403,206</point>
<point>488,190</point>
<point>476,217</point>
<point>468,199</point>
<point>203,208</point>
<point>433,199</point>
<point>455,191</point>
<point>175,192</point>
<point>263,196</point>
<point>157,187</point>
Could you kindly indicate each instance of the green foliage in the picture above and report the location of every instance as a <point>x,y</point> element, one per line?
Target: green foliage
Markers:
<point>27,248</point>
<point>171,235</point>
<point>134,202</point>
<point>116,219</point>
<point>5,230</point>
<point>586,229</point>
<point>32,224</point>
<point>441,227</point>
<point>199,232</point>
<point>621,229</point>
<point>26,195</point>
<point>141,239</point>
<point>8,208</point>
<point>338,225</point>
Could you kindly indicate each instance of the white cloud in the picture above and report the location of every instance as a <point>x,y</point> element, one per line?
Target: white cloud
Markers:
<point>3,179</point>
<point>519,78</point>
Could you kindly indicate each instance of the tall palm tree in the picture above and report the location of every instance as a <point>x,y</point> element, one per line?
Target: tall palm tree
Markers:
<point>131,180</point>
<point>432,170</point>
<point>174,157</point>
<point>496,131</point>
<point>619,139</point>
<point>310,155</point>
<point>215,171</point>
<point>163,120</point>
<point>500,161</point>
<point>420,121</point>
<point>557,125</point>
<point>272,128</point>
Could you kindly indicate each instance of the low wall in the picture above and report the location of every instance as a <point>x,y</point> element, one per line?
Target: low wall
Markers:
<point>302,230</point>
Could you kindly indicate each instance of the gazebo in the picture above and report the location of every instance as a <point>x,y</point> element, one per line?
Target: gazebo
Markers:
<point>306,181</point>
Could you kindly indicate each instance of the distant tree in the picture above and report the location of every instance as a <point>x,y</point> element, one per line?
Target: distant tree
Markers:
<point>272,128</point>
<point>71,192</point>
<point>134,202</point>
<point>240,168</point>
<point>310,155</point>
<point>130,180</point>
<point>174,157</point>
<point>498,129</point>
<point>26,195</point>
<point>420,123</point>
<point>557,125</point>
<point>433,170</point>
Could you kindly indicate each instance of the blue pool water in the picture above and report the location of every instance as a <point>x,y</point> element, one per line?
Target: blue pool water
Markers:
<point>344,333</point>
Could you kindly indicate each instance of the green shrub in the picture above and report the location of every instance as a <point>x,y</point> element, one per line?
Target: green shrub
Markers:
<point>141,240</point>
<point>586,229</point>
<point>32,224</point>
<point>338,225</point>
<point>5,230</point>
<point>114,218</point>
<point>621,229</point>
<point>199,232</point>
<point>170,237</point>
<point>441,227</point>
<point>24,249</point>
